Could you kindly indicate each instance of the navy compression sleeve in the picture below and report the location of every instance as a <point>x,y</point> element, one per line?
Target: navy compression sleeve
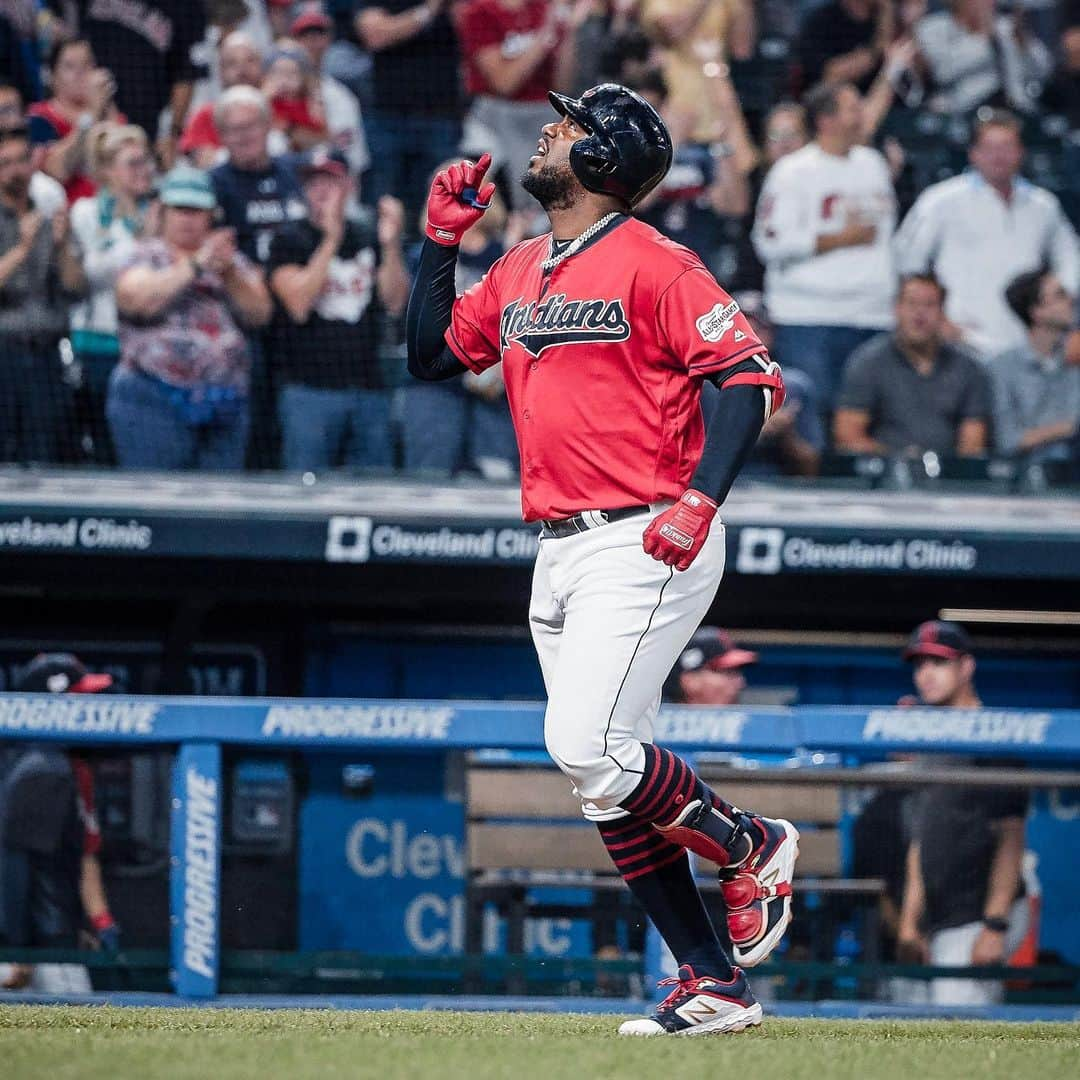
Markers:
<point>729,438</point>
<point>430,305</point>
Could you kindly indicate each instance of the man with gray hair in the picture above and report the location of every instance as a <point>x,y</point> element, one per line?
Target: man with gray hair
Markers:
<point>257,192</point>
<point>240,63</point>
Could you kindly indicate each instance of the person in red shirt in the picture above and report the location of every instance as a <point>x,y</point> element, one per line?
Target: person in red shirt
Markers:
<point>82,96</point>
<point>240,65</point>
<point>513,51</point>
<point>606,331</point>
<point>290,87</point>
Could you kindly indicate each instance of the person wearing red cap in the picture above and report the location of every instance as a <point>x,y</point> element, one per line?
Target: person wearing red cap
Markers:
<point>710,670</point>
<point>313,28</point>
<point>59,873</point>
<point>943,665</point>
<point>963,900</point>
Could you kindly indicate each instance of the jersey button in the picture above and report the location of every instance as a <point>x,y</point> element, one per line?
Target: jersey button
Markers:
<point>527,415</point>
<point>533,366</point>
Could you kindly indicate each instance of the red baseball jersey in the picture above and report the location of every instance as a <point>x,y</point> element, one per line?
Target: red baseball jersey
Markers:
<point>603,361</point>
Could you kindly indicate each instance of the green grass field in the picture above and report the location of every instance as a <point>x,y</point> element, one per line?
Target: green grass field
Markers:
<point>55,1043</point>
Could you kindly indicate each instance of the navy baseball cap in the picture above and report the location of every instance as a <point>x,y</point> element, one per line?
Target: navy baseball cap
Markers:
<point>331,162</point>
<point>60,673</point>
<point>938,637</point>
<point>714,649</point>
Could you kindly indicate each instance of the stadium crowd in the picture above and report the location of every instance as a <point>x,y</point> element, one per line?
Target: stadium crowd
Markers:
<point>209,210</point>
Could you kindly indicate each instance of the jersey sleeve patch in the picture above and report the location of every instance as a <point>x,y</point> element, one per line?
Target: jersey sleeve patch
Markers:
<point>718,321</point>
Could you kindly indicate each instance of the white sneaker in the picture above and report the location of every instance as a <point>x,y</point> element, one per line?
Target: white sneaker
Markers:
<point>700,1005</point>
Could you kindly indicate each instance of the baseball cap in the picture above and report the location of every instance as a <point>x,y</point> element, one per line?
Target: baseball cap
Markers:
<point>331,162</point>
<point>189,188</point>
<point>714,649</point>
<point>937,637</point>
<point>310,16</point>
<point>60,673</point>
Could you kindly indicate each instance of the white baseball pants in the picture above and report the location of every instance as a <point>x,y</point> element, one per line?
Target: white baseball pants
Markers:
<point>608,622</point>
<point>952,948</point>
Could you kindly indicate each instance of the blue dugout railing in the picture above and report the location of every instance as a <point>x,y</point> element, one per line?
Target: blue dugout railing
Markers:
<point>200,727</point>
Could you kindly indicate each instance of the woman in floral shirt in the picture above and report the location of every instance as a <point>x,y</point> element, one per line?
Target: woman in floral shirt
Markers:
<point>178,399</point>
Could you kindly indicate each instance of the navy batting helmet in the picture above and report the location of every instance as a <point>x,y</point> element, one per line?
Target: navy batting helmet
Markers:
<point>628,148</point>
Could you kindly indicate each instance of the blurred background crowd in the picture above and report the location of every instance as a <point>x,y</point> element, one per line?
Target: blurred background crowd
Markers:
<point>209,212</point>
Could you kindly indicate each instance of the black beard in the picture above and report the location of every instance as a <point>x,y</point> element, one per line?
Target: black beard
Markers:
<point>554,187</point>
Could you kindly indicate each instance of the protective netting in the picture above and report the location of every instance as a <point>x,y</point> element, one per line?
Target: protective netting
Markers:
<point>209,214</point>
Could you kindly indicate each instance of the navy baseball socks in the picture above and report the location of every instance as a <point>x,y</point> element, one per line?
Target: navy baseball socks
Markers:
<point>658,873</point>
<point>755,855</point>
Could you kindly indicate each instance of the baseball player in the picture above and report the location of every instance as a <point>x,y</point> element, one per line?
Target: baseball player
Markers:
<point>606,331</point>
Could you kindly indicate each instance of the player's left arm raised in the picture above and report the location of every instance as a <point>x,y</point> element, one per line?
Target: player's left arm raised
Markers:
<point>705,327</point>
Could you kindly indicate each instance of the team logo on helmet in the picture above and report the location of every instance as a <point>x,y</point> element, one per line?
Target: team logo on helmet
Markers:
<point>553,321</point>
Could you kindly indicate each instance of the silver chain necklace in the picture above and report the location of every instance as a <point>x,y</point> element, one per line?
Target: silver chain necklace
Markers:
<point>575,246</point>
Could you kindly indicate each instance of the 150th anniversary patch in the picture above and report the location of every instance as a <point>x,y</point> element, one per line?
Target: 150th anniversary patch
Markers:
<point>714,324</point>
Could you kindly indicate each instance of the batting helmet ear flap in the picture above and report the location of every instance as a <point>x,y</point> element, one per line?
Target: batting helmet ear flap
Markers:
<point>587,158</point>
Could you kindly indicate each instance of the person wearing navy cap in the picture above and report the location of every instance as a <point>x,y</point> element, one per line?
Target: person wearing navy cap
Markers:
<point>963,900</point>
<point>61,673</point>
<point>943,664</point>
<point>51,876</point>
<point>710,670</point>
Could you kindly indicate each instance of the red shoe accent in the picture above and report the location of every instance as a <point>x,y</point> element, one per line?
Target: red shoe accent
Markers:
<point>687,982</point>
<point>740,891</point>
<point>759,913</point>
<point>743,889</point>
<point>694,839</point>
<point>745,925</point>
<point>697,842</point>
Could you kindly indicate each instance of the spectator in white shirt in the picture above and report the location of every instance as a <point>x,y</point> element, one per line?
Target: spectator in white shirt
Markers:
<point>105,227</point>
<point>823,230</point>
<point>980,230</point>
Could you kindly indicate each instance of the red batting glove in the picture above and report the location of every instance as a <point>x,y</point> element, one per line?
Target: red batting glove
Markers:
<point>458,200</point>
<point>677,535</point>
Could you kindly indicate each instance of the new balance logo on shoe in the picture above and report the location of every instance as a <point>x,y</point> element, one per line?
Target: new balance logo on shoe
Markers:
<point>700,1005</point>
<point>697,1010</point>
